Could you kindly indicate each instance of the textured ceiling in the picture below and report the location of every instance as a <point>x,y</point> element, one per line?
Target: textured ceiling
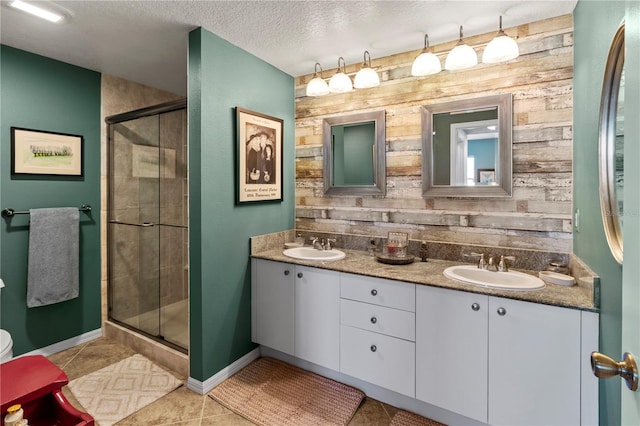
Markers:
<point>146,41</point>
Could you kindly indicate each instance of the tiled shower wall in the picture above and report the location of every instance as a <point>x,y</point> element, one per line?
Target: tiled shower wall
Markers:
<point>537,216</point>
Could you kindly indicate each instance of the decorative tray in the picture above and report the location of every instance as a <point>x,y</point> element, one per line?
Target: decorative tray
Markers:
<point>395,260</point>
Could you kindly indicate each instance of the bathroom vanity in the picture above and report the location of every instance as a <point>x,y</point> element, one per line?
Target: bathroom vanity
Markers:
<point>496,357</point>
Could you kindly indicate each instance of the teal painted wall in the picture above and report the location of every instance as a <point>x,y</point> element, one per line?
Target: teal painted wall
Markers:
<point>221,77</point>
<point>595,23</point>
<point>43,94</point>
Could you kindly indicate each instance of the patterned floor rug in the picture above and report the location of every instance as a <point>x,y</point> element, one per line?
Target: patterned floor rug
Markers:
<point>269,392</point>
<point>406,418</point>
<point>118,390</point>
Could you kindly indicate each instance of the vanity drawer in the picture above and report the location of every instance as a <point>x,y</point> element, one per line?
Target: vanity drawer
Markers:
<point>379,319</point>
<point>392,294</point>
<point>375,358</point>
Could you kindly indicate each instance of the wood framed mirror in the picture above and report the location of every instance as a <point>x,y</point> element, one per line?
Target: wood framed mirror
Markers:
<point>611,145</point>
<point>354,151</point>
<point>466,148</point>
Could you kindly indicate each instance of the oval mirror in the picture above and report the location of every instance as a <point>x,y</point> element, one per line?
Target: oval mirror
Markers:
<point>611,145</point>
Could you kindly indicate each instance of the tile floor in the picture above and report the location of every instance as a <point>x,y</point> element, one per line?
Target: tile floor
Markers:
<point>182,406</point>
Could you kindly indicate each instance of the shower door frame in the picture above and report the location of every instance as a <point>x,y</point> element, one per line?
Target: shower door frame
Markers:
<point>166,107</point>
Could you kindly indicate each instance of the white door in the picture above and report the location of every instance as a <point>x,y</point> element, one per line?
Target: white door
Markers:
<point>627,367</point>
<point>631,228</point>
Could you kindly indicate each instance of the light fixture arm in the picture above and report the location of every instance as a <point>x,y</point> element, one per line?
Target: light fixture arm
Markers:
<point>367,59</point>
<point>501,31</point>
<point>344,65</point>
<point>426,43</point>
<point>315,74</point>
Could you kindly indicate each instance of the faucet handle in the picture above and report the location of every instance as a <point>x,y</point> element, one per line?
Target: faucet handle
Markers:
<point>482,264</point>
<point>327,246</point>
<point>502,266</point>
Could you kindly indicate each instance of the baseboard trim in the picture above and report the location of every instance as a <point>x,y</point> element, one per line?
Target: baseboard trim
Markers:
<point>66,344</point>
<point>222,375</point>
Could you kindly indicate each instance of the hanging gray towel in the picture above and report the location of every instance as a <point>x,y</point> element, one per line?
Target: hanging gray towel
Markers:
<point>53,256</point>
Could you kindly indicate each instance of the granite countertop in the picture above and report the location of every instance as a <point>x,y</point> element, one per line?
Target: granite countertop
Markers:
<point>431,273</point>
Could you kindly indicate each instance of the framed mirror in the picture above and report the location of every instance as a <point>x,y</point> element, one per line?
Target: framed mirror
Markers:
<point>611,145</point>
<point>466,148</point>
<point>354,154</point>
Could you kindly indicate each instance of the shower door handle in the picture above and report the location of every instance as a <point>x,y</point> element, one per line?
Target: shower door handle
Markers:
<point>143,224</point>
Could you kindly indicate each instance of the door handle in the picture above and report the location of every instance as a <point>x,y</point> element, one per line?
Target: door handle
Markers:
<point>604,367</point>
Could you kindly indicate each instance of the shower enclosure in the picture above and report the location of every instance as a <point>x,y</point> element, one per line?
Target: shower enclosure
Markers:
<point>147,223</point>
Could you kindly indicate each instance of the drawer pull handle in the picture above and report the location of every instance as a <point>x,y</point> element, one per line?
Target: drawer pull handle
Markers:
<point>374,292</point>
<point>374,348</point>
<point>374,320</point>
<point>287,272</point>
<point>502,312</point>
<point>300,275</point>
<point>475,307</point>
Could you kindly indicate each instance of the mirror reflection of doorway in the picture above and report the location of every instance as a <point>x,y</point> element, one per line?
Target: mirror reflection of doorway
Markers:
<point>474,147</point>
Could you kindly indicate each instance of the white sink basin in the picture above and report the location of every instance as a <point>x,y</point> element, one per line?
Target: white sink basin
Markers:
<point>309,253</point>
<point>511,280</point>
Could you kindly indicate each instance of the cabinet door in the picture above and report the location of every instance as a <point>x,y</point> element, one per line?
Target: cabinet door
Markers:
<point>273,304</point>
<point>534,364</point>
<point>451,350</point>
<point>317,316</point>
<point>382,360</point>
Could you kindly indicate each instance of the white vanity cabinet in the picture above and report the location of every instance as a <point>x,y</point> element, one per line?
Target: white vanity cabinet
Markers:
<point>296,310</point>
<point>272,304</point>
<point>317,316</point>
<point>499,361</point>
<point>377,332</point>
<point>534,364</point>
<point>452,350</point>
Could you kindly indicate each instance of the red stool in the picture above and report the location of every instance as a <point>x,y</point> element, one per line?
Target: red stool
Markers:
<point>36,383</point>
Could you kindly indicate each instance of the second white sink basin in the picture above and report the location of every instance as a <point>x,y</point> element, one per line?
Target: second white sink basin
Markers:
<point>511,280</point>
<point>309,253</point>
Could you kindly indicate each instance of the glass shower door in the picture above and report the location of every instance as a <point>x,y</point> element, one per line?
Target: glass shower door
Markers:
<point>148,226</point>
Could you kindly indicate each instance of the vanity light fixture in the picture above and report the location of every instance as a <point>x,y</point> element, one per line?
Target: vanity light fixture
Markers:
<point>502,48</point>
<point>38,11</point>
<point>317,86</point>
<point>367,77</point>
<point>426,63</point>
<point>340,82</point>
<point>462,56</point>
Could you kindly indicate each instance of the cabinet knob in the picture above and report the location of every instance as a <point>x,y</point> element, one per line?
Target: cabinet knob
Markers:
<point>475,306</point>
<point>287,272</point>
<point>374,348</point>
<point>300,275</point>
<point>374,320</point>
<point>502,312</point>
<point>374,292</point>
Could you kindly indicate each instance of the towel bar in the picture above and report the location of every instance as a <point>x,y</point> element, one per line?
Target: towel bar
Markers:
<point>12,212</point>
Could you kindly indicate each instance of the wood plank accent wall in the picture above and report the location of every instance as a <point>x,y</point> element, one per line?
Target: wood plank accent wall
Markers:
<point>537,216</point>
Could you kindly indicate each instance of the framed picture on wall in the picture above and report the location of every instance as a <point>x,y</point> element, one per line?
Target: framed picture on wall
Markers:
<point>259,157</point>
<point>486,176</point>
<point>37,152</point>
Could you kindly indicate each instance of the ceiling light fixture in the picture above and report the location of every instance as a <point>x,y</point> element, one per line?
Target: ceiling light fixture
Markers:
<point>38,11</point>
<point>317,86</point>
<point>462,56</point>
<point>340,82</point>
<point>502,48</point>
<point>426,63</point>
<point>367,77</point>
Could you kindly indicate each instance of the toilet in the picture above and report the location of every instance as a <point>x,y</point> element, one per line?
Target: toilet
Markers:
<point>6,344</point>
